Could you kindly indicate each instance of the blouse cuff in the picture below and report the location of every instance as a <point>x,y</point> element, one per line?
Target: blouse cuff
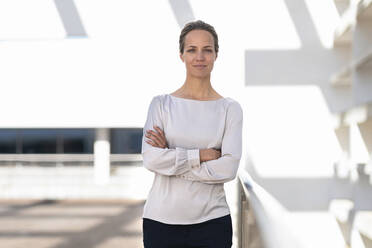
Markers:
<point>193,158</point>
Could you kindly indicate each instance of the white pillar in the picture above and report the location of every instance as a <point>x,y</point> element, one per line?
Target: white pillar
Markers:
<point>102,156</point>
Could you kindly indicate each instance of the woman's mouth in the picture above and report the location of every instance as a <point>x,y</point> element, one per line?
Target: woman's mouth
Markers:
<point>199,66</point>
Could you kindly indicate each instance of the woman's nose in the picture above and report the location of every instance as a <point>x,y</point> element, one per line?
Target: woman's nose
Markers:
<point>200,56</point>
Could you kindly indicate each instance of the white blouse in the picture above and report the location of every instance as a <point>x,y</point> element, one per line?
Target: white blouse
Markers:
<point>185,191</point>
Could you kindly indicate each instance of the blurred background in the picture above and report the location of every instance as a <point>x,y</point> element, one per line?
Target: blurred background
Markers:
<point>77,77</point>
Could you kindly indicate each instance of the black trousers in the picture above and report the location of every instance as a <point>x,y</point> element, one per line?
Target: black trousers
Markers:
<point>214,233</point>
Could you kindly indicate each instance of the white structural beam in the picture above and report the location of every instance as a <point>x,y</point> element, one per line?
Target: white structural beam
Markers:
<point>363,60</point>
<point>343,31</point>
<point>364,9</point>
<point>359,9</point>
<point>70,18</point>
<point>343,77</point>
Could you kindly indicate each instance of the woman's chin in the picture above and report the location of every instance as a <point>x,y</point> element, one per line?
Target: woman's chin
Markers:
<point>200,75</point>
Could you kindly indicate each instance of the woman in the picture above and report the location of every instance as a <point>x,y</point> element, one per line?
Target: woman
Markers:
<point>194,146</point>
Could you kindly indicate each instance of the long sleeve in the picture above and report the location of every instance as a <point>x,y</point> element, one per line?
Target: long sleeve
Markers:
<point>225,168</point>
<point>165,161</point>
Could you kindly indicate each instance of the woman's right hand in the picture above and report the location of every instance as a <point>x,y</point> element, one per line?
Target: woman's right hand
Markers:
<point>209,154</point>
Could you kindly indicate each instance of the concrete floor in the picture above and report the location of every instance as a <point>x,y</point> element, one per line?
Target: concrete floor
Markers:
<point>86,223</point>
<point>71,223</point>
<point>105,222</point>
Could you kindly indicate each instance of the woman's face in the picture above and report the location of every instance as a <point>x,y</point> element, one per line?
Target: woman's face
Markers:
<point>198,54</point>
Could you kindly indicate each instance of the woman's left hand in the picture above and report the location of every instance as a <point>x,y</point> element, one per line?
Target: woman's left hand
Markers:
<point>157,139</point>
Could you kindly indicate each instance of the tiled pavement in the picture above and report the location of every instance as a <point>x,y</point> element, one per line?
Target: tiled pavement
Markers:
<point>112,220</point>
<point>71,224</point>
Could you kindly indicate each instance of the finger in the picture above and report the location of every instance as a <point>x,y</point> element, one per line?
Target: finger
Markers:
<point>149,136</point>
<point>160,131</point>
<point>163,139</point>
<point>157,138</point>
<point>157,134</point>
<point>161,136</point>
<point>156,144</point>
<point>153,140</point>
<point>152,143</point>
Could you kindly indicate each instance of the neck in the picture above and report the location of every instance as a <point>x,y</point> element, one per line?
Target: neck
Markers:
<point>197,87</point>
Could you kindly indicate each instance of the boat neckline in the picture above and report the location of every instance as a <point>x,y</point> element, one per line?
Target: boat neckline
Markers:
<point>195,100</point>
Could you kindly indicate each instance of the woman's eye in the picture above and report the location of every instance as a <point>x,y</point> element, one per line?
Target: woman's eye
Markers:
<point>193,50</point>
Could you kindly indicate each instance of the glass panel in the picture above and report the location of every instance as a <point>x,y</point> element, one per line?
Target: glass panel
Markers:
<point>8,138</point>
<point>126,140</point>
<point>77,140</point>
<point>39,140</point>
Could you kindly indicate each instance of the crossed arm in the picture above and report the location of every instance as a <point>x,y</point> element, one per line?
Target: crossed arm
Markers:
<point>209,166</point>
<point>157,139</point>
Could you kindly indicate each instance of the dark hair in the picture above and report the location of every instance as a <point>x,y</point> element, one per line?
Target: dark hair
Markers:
<point>197,25</point>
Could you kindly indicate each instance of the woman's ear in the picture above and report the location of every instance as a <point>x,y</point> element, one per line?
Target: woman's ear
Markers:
<point>181,56</point>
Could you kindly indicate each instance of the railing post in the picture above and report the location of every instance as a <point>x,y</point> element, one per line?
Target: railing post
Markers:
<point>240,213</point>
<point>248,234</point>
<point>245,227</point>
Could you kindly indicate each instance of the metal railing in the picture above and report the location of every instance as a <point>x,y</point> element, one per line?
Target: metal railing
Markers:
<point>262,221</point>
<point>65,157</point>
